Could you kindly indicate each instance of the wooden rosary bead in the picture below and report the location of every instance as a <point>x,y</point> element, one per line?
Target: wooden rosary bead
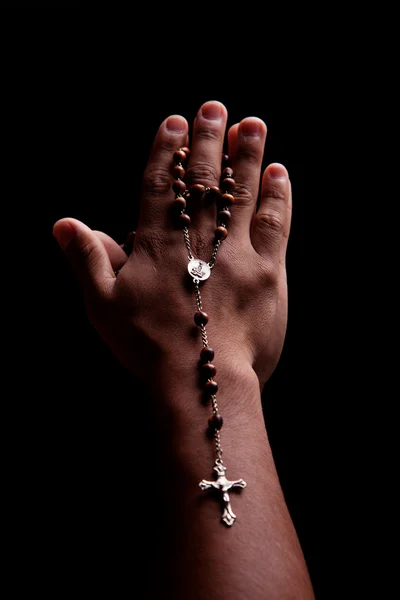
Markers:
<point>186,150</point>
<point>221,233</point>
<point>214,193</point>
<point>224,216</point>
<point>184,219</point>
<point>179,172</point>
<point>179,186</point>
<point>227,200</point>
<point>228,184</point>
<point>208,370</point>
<point>206,354</point>
<point>215,422</point>
<point>227,172</point>
<point>200,317</point>
<point>210,388</point>
<point>180,203</point>
<point>197,190</point>
<point>179,156</point>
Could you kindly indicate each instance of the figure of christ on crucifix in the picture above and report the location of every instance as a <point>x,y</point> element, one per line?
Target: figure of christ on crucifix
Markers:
<point>223,484</point>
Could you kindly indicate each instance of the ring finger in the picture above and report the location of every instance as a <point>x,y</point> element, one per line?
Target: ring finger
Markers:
<point>246,149</point>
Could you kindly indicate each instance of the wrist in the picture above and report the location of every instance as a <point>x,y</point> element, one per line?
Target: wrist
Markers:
<point>179,383</point>
<point>183,414</point>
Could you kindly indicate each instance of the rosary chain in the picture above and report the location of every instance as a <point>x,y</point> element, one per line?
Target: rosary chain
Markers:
<point>200,307</point>
<point>217,437</point>
<point>204,336</point>
<point>214,254</point>
<point>217,245</point>
<point>214,404</point>
<point>187,242</point>
<point>211,264</point>
<point>201,318</point>
<point>218,448</point>
<point>197,294</point>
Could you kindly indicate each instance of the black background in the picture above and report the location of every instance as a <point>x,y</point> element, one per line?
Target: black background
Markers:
<point>86,122</point>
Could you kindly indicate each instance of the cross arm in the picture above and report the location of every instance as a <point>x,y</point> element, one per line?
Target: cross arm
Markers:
<point>206,485</point>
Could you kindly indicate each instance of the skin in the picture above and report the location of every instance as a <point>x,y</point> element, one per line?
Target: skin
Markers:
<point>145,314</point>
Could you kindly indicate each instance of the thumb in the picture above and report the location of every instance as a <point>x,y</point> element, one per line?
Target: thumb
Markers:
<point>86,253</point>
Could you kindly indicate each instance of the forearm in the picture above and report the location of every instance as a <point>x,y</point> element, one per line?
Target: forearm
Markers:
<point>258,557</point>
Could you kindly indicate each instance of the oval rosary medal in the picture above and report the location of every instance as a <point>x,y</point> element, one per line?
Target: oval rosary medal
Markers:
<point>199,269</point>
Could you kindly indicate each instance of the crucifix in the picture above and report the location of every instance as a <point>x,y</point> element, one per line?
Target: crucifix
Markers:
<point>223,484</point>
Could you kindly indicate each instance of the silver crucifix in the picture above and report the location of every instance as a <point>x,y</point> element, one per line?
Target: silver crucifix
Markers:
<point>223,485</point>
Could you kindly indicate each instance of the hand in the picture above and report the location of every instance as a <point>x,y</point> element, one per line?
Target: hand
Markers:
<point>145,313</point>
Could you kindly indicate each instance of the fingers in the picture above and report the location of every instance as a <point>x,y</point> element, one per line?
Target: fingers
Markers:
<point>115,253</point>
<point>157,180</point>
<point>271,224</point>
<point>268,229</point>
<point>207,144</point>
<point>246,149</point>
<point>232,139</point>
<point>204,165</point>
<point>87,255</point>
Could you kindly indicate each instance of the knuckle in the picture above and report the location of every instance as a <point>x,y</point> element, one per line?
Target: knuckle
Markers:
<point>275,192</point>
<point>205,173</point>
<point>243,193</point>
<point>271,220</point>
<point>234,267</point>
<point>166,144</point>
<point>209,135</point>
<point>250,152</point>
<point>269,272</point>
<point>157,181</point>
<point>152,244</point>
<point>87,249</point>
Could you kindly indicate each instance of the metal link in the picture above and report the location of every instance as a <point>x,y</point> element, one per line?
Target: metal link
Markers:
<point>218,447</point>
<point>214,254</point>
<point>198,295</point>
<point>214,404</point>
<point>204,336</point>
<point>187,242</point>
<point>200,307</point>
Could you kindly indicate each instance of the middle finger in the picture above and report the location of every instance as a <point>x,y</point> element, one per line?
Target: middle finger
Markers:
<point>204,166</point>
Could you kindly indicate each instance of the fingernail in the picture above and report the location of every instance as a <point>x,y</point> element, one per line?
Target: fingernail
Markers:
<point>277,171</point>
<point>176,124</point>
<point>64,234</point>
<point>251,128</point>
<point>212,111</point>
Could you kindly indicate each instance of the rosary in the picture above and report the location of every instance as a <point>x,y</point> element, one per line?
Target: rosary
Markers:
<point>200,270</point>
